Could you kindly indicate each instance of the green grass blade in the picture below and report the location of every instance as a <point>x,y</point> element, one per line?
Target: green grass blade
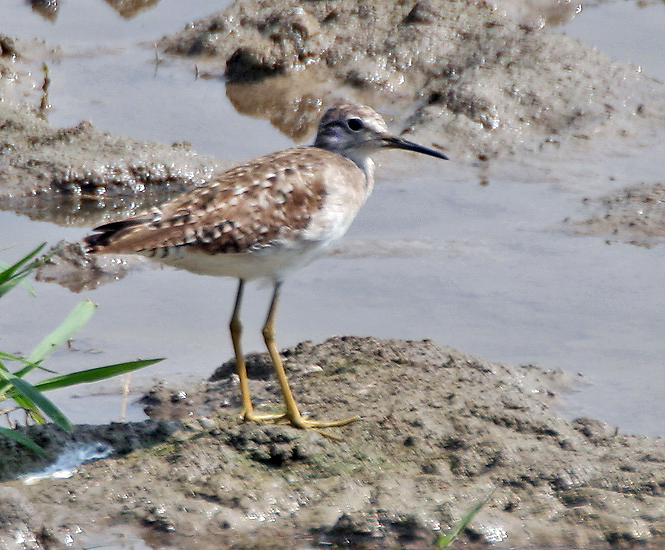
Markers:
<point>28,406</point>
<point>21,278</point>
<point>28,392</point>
<point>5,386</point>
<point>19,373</point>
<point>93,375</point>
<point>74,321</point>
<point>5,355</point>
<point>6,287</point>
<point>28,365</point>
<point>8,390</point>
<point>8,272</point>
<point>444,541</point>
<point>12,275</point>
<point>22,439</point>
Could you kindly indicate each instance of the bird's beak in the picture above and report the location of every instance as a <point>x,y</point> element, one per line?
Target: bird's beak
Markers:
<point>399,143</point>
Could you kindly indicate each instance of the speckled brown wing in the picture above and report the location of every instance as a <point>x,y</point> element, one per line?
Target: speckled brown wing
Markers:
<point>250,206</point>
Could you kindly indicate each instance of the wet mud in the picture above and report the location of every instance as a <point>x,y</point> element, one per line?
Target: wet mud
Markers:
<point>86,170</point>
<point>439,429</point>
<point>635,215</point>
<point>460,74</point>
<point>71,175</point>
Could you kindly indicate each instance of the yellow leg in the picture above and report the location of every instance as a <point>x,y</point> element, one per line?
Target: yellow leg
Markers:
<point>247,411</point>
<point>292,413</point>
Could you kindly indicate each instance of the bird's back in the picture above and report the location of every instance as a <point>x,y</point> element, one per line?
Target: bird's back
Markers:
<point>300,198</point>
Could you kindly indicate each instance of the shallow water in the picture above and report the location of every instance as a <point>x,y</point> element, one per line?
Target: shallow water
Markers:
<point>476,267</point>
<point>626,31</point>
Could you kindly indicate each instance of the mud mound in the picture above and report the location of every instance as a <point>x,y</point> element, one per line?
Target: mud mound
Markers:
<point>438,429</point>
<point>74,176</point>
<point>635,215</point>
<point>464,75</point>
<point>87,169</point>
<point>82,161</point>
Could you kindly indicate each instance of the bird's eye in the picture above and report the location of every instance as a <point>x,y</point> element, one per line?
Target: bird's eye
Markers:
<point>355,124</point>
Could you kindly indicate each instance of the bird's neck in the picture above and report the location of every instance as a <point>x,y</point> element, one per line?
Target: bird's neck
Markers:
<point>359,157</point>
<point>366,164</point>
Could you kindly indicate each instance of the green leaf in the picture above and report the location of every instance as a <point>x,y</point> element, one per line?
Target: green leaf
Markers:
<point>29,408</point>
<point>5,355</point>
<point>7,273</point>
<point>12,275</point>
<point>22,439</point>
<point>93,375</point>
<point>27,391</point>
<point>5,386</point>
<point>29,366</point>
<point>443,541</point>
<point>74,321</point>
<point>6,287</point>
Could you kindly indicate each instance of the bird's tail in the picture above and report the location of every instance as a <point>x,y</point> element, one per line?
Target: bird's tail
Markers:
<point>105,234</point>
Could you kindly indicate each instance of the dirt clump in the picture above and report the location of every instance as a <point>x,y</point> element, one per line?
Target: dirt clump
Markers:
<point>439,429</point>
<point>71,267</point>
<point>81,170</point>
<point>86,163</point>
<point>635,215</point>
<point>459,73</point>
<point>77,176</point>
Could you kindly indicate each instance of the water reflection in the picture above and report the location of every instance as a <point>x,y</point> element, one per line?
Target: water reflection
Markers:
<point>127,9</point>
<point>48,9</point>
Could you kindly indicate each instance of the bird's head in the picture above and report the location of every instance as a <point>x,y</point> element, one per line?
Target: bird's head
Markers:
<point>357,131</point>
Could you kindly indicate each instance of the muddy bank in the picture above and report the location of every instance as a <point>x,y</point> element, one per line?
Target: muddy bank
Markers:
<point>438,429</point>
<point>635,215</point>
<point>463,77</point>
<point>460,74</point>
<point>86,169</point>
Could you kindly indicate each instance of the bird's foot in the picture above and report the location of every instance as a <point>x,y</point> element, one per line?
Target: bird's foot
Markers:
<point>248,415</point>
<point>298,421</point>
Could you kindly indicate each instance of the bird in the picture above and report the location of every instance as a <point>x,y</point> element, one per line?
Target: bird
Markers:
<point>262,220</point>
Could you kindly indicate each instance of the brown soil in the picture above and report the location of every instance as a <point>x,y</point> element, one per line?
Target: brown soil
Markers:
<point>86,167</point>
<point>87,170</point>
<point>458,73</point>
<point>439,429</point>
<point>635,215</point>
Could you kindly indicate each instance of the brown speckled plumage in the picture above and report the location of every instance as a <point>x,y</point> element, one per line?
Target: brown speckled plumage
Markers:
<point>272,200</point>
<point>264,218</point>
<point>246,207</point>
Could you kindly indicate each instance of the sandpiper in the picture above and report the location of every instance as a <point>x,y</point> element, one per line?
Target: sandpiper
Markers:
<point>262,219</point>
